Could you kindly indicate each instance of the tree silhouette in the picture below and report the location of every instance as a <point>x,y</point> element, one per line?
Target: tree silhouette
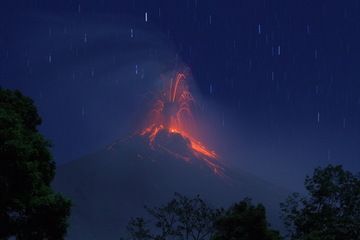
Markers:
<point>192,219</point>
<point>29,209</point>
<point>330,211</point>
<point>244,221</point>
<point>181,218</point>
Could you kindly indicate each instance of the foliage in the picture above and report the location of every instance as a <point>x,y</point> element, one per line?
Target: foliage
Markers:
<point>29,209</point>
<point>192,219</point>
<point>244,221</point>
<point>330,211</point>
<point>181,218</point>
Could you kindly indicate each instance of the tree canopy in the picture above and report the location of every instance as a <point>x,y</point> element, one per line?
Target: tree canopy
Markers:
<point>186,218</point>
<point>181,218</point>
<point>244,221</point>
<point>29,208</point>
<point>330,210</point>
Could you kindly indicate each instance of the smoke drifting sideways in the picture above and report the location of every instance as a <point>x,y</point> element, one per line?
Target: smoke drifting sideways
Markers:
<point>90,76</point>
<point>93,78</point>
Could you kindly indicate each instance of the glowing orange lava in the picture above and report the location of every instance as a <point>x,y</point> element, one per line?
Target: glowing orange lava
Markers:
<point>172,113</point>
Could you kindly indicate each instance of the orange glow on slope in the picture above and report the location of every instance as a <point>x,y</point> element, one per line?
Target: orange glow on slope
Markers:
<point>172,113</point>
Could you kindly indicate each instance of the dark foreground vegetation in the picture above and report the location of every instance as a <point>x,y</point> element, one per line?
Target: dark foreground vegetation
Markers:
<point>329,211</point>
<point>191,218</point>
<point>30,209</point>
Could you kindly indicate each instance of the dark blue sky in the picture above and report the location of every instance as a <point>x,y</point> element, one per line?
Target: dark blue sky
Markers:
<point>282,78</point>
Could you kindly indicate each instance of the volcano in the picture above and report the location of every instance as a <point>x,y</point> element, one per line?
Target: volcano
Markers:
<point>112,185</point>
<point>171,114</point>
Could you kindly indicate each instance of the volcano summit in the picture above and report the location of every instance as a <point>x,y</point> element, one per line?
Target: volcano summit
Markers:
<point>172,114</point>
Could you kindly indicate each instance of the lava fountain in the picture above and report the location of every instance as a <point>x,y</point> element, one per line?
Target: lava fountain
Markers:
<point>172,114</point>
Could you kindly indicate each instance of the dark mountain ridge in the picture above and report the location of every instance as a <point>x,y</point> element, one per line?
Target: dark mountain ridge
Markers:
<point>112,185</point>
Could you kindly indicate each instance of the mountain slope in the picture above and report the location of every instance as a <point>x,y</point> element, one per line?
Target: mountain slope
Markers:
<point>112,185</point>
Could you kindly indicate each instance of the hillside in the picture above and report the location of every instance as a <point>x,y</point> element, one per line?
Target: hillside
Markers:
<point>112,185</point>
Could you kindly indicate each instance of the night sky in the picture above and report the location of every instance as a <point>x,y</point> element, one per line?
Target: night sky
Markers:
<point>278,80</point>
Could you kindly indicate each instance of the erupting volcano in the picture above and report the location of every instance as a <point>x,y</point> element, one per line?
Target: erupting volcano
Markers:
<point>171,117</point>
<point>110,186</point>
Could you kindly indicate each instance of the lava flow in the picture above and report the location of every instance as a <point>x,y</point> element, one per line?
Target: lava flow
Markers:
<point>172,114</point>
